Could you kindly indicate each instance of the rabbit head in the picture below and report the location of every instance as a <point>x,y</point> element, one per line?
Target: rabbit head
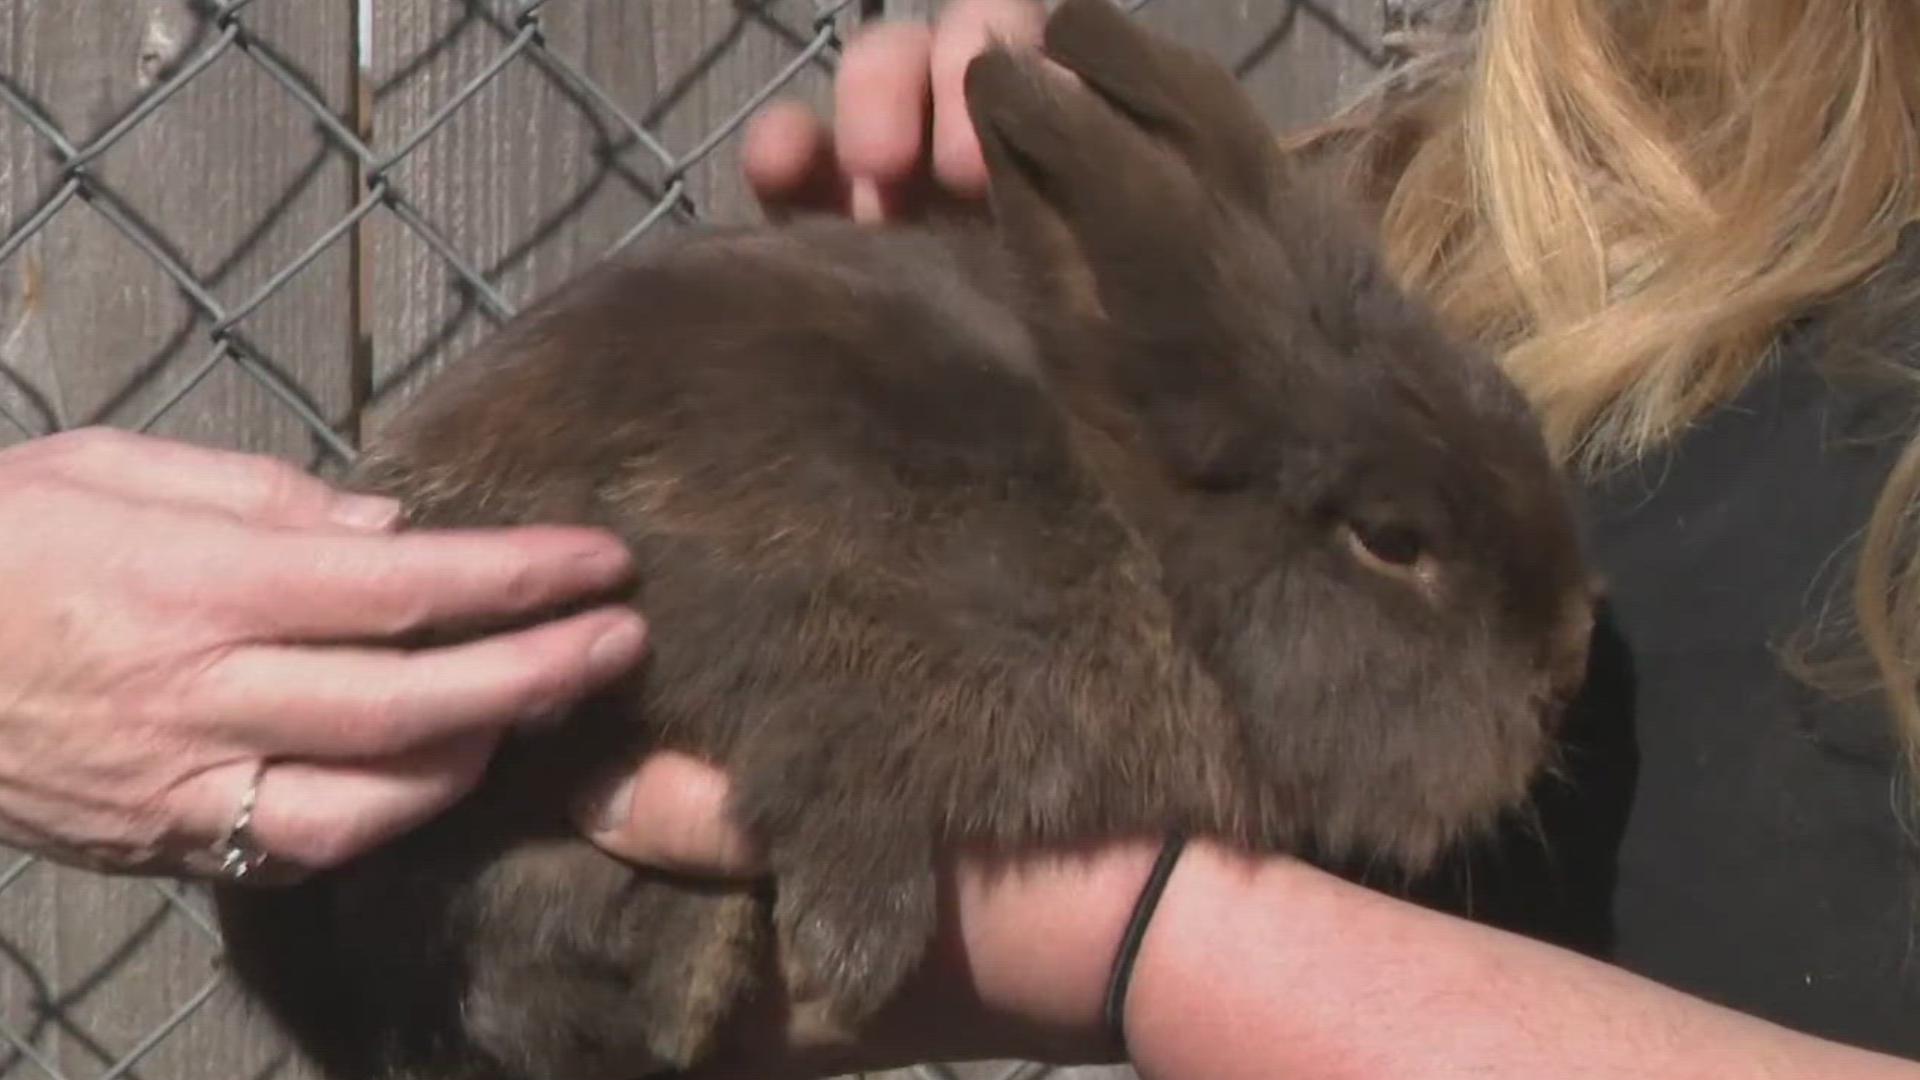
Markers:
<point>1363,535</point>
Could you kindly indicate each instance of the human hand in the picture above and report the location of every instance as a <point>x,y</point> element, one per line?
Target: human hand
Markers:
<point>1018,969</point>
<point>901,140</point>
<point>175,616</point>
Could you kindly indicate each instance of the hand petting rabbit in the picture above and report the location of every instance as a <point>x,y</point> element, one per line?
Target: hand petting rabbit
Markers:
<point>1149,505</point>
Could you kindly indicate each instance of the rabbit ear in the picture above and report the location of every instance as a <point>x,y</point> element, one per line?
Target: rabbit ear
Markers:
<point>1174,92</point>
<point>1078,191</point>
<point>1149,131</point>
<point>1113,223</point>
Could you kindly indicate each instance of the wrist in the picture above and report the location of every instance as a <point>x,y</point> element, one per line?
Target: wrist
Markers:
<point>1220,908</point>
<point>1040,934</point>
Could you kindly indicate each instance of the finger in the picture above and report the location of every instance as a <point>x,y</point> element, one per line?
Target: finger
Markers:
<point>965,29</point>
<point>252,488</point>
<point>311,816</point>
<point>355,703</point>
<point>671,813</point>
<point>790,164</point>
<point>882,107</point>
<point>318,587</point>
<point>317,816</point>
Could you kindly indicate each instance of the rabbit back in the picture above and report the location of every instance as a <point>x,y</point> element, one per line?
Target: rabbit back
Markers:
<point>843,475</point>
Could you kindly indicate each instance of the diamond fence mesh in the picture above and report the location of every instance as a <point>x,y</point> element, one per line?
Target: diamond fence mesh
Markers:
<point>260,224</point>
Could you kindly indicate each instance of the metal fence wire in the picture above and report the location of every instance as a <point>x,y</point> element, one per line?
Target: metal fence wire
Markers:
<point>75,1026</point>
<point>228,343</point>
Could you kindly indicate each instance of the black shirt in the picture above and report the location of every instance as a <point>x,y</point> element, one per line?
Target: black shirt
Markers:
<point>1724,828</point>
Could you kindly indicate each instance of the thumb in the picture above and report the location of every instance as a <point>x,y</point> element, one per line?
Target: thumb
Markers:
<point>670,813</point>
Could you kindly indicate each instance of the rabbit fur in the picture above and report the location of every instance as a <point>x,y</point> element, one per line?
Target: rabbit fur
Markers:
<point>1147,504</point>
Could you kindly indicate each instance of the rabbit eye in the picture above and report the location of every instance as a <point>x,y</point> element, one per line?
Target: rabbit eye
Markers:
<point>1396,551</point>
<point>1395,545</point>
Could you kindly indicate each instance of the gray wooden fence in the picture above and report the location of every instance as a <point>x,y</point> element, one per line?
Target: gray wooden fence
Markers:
<point>218,222</point>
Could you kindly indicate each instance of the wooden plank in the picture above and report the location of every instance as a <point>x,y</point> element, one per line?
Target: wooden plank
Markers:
<point>231,172</point>
<point>1298,58</point>
<point>531,179</point>
<point>239,182</point>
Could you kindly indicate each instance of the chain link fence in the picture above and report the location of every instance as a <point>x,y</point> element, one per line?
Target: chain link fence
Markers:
<point>283,215</point>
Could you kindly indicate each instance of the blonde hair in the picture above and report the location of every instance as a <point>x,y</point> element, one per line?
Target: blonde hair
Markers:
<point>1629,200</point>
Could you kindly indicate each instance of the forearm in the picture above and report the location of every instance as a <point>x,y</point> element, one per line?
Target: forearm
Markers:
<point>1269,968</point>
<point>1265,968</point>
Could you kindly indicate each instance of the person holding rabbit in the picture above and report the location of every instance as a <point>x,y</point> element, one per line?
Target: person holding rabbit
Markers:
<point>1692,233</point>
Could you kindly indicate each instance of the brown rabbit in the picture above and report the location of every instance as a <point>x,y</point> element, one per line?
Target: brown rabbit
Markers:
<point>1150,506</point>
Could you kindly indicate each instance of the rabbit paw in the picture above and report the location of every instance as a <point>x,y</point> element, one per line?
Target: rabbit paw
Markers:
<point>848,941</point>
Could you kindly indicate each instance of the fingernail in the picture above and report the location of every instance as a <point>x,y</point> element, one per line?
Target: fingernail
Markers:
<point>609,812</point>
<point>545,719</point>
<point>867,204</point>
<point>614,650</point>
<point>606,560</point>
<point>370,512</point>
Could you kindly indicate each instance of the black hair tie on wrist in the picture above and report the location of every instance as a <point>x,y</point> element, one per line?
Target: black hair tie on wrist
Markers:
<point>1143,909</point>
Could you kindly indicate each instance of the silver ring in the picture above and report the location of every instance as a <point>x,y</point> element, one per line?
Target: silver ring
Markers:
<point>237,852</point>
